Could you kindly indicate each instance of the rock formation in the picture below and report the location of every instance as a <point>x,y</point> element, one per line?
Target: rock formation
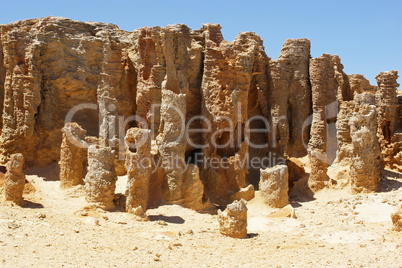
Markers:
<point>211,108</point>
<point>387,111</point>
<point>227,77</point>
<point>73,156</point>
<point>138,165</point>
<point>14,180</point>
<point>365,164</point>
<point>359,84</point>
<point>274,186</point>
<point>193,190</point>
<point>290,98</point>
<point>55,64</point>
<point>330,87</point>
<point>233,221</point>
<point>396,218</point>
<point>100,181</point>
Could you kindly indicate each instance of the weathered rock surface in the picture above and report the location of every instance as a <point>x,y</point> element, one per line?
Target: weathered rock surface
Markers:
<point>359,84</point>
<point>100,181</point>
<point>73,156</point>
<point>387,111</point>
<point>227,76</point>
<point>274,186</point>
<point>330,87</point>
<point>233,220</point>
<point>193,190</point>
<point>55,71</point>
<point>55,64</point>
<point>14,180</point>
<point>290,98</point>
<point>396,218</point>
<point>296,170</point>
<point>139,168</point>
<point>365,167</point>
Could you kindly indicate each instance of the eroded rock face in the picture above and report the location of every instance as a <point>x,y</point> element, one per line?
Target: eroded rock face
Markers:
<point>14,180</point>
<point>387,111</point>
<point>73,156</point>
<point>193,190</point>
<point>290,98</point>
<point>365,167</point>
<point>274,186</point>
<point>233,221</point>
<point>90,62</point>
<point>396,218</point>
<point>225,86</point>
<point>100,181</point>
<point>330,87</point>
<point>55,71</point>
<point>359,84</point>
<point>139,168</point>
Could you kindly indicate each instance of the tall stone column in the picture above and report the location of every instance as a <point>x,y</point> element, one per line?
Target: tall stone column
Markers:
<point>330,87</point>
<point>73,156</point>
<point>290,96</point>
<point>365,166</point>
<point>100,181</point>
<point>387,111</point>
<point>139,168</point>
<point>14,180</point>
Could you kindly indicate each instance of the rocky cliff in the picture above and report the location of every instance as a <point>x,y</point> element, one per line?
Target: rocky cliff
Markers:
<point>203,100</point>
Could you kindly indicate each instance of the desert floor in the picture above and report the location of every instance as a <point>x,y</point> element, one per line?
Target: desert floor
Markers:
<point>335,229</point>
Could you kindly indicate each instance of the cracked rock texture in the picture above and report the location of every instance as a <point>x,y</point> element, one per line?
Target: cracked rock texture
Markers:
<point>233,220</point>
<point>14,179</point>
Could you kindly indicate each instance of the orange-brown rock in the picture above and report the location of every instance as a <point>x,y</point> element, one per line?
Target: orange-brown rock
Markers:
<point>138,165</point>
<point>73,156</point>
<point>52,65</point>
<point>274,186</point>
<point>290,98</point>
<point>396,218</point>
<point>296,170</point>
<point>387,111</point>
<point>233,220</point>
<point>14,180</point>
<point>55,71</point>
<point>365,167</point>
<point>100,181</point>
<point>227,77</point>
<point>359,84</point>
<point>330,87</point>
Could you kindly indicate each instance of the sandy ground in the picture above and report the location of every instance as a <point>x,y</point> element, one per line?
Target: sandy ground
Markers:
<point>335,229</point>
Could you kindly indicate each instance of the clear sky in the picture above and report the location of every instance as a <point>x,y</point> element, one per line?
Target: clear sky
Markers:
<point>367,35</point>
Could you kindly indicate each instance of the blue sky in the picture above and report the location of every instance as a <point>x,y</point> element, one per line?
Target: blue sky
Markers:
<point>367,35</point>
